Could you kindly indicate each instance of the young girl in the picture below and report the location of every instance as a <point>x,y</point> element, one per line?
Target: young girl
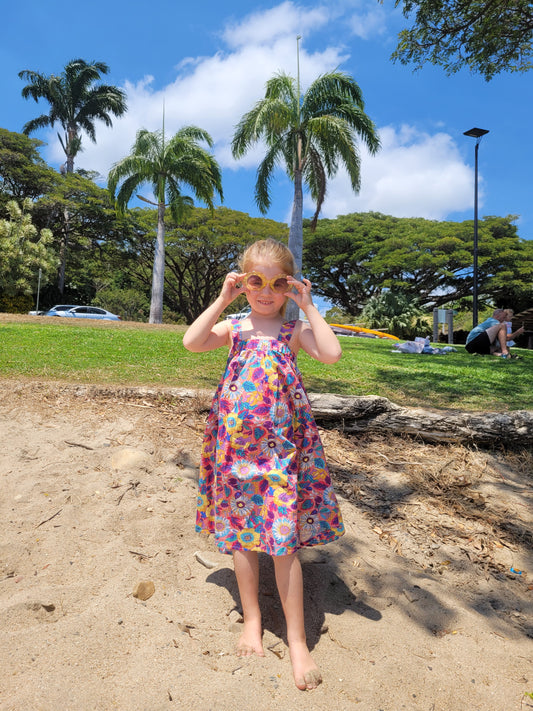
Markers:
<point>264,485</point>
<point>509,313</point>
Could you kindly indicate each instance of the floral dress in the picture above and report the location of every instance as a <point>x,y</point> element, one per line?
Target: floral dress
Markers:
<point>264,483</point>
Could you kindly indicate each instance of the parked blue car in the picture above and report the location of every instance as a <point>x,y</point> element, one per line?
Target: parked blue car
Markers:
<point>87,312</point>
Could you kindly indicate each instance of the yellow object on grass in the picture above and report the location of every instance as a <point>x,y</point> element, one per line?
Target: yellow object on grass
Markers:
<point>359,329</point>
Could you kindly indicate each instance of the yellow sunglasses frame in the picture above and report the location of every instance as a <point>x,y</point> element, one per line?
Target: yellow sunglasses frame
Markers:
<point>265,282</point>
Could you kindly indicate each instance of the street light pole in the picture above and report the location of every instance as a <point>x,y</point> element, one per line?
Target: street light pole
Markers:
<point>38,291</point>
<point>476,133</point>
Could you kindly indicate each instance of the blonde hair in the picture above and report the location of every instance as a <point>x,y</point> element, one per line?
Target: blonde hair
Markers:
<point>268,251</point>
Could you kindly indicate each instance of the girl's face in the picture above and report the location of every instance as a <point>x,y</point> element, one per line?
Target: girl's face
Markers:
<point>266,288</point>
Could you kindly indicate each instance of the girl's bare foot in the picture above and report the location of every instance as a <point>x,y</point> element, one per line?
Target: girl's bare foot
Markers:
<point>250,642</point>
<point>306,673</point>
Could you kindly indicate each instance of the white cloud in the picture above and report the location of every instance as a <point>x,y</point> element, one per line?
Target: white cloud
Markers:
<point>368,19</point>
<point>368,23</point>
<point>414,175</point>
<point>265,27</point>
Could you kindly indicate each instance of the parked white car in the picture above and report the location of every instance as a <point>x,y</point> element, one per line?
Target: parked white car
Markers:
<point>243,313</point>
<point>56,310</point>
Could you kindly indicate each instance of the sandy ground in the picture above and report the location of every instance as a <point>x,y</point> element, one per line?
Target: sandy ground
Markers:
<point>416,607</point>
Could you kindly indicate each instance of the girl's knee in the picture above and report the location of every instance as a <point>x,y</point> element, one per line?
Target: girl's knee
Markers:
<point>284,559</point>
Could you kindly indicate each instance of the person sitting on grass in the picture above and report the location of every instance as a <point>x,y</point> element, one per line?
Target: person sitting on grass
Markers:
<point>489,337</point>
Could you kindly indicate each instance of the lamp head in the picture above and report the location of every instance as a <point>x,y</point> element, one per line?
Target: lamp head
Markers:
<point>475,132</point>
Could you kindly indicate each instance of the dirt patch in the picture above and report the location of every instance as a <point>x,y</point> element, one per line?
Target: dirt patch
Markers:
<point>425,603</point>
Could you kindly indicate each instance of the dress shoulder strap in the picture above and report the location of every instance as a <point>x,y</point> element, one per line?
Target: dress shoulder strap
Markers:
<point>286,331</point>
<point>235,330</point>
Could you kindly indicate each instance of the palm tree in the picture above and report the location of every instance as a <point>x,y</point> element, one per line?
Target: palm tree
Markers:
<point>309,136</point>
<point>75,103</point>
<point>166,166</point>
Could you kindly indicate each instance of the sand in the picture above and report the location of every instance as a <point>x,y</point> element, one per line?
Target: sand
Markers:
<point>426,602</point>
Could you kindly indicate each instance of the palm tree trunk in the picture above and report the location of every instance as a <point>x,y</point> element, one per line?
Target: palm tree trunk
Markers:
<point>296,238</point>
<point>64,244</point>
<point>63,252</point>
<point>72,145</point>
<point>158,274</point>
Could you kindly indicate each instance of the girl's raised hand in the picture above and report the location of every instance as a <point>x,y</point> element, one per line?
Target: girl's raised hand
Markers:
<point>232,287</point>
<point>302,292</point>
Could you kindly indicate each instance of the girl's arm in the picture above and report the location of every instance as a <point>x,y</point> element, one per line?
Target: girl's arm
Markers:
<point>316,338</point>
<point>205,334</point>
<point>518,332</point>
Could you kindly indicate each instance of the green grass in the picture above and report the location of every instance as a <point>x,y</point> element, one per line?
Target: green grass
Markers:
<point>138,354</point>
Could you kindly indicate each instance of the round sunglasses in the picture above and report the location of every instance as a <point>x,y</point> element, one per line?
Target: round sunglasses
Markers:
<point>256,281</point>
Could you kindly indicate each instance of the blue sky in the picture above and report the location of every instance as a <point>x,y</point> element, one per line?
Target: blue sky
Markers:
<point>208,62</point>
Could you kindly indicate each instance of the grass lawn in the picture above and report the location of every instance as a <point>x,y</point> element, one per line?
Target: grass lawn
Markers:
<point>39,348</point>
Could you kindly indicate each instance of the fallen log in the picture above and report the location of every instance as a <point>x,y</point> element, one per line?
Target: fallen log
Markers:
<point>377,414</point>
<point>370,414</point>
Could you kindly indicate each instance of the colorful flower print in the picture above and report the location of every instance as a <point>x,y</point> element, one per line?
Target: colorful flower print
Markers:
<point>283,530</point>
<point>264,484</point>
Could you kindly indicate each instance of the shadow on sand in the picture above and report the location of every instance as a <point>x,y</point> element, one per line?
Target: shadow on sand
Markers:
<point>324,592</point>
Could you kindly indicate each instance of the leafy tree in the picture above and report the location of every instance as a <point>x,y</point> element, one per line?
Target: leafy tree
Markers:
<point>395,312</point>
<point>354,257</point>
<point>310,136</point>
<point>130,304</point>
<point>199,252</point>
<point>23,251</point>
<point>167,166</point>
<point>76,103</point>
<point>519,297</point>
<point>505,264</point>
<point>23,173</point>
<point>203,249</point>
<point>337,259</point>
<point>88,235</point>
<point>487,37</point>
<point>337,315</point>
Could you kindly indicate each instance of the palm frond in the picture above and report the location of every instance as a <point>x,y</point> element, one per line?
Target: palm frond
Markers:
<point>128,187</point>
<point>80,75</point>
<point>271,116</point>
<point>315,177</point>
<point>328,90</point>
<point>264,177</point>
<point>333,137</point>
<point>149,146</point>
<point>101,101</point>
<point>281,87</point>
<point>246,131</point>
<point>191,134</point>
<point>363,126</point>
<point>36,123</point>
<point>166,166</point>
<point>132,166</point>
<point>179,204</point>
